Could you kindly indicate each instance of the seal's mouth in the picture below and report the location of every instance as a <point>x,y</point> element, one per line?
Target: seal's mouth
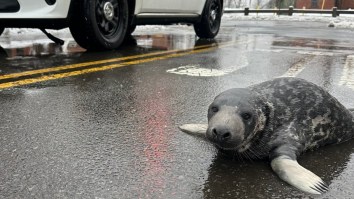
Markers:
<point>243,146</point>
<point>226,148</point>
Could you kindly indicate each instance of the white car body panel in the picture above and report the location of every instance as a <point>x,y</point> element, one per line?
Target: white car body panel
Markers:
<point>38,9</point>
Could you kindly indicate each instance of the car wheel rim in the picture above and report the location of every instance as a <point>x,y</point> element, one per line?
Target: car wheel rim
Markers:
<point>107,16</point>
<point>214,13</point>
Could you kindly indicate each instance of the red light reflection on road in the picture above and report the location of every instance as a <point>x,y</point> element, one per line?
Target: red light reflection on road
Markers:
<point>155,114</point>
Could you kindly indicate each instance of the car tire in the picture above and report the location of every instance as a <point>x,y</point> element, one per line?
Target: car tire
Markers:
<point>1,30</point>
<point>99,24</point>
<point>209,25</point>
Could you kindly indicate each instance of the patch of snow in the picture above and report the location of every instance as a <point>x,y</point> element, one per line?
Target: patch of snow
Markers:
<point>342,21</point>
<point>177,28</point>
<point>26,31</point>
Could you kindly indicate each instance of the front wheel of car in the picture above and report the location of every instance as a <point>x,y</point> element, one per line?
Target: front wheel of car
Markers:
<point>209,25</point>
<point>1,30</point>
<point>100,24</point>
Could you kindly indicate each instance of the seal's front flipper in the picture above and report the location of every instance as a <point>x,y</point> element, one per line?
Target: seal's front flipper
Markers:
<point>291,172</point>
<point>194,129</point>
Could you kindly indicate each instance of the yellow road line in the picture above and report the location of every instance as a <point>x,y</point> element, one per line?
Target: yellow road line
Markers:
<point>103,68</point>
<point>73,66</point>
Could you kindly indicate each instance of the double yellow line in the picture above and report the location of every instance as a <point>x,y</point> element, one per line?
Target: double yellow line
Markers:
<point>82,67</point>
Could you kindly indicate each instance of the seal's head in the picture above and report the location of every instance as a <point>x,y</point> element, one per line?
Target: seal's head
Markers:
<point>234,118</point>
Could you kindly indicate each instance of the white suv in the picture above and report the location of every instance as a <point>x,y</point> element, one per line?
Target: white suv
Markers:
<point>103,24</point>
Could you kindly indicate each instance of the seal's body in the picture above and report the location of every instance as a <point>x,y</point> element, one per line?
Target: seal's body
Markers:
<point>278,119</point>
<point>315,116</point>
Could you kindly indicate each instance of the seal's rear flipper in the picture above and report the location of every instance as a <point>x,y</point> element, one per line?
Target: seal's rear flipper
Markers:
<point>194,129</point>
<point>291,172</point>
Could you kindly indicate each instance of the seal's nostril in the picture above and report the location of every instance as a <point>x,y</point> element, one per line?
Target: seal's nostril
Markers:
<point>227,135</point>
<point>214,132</point>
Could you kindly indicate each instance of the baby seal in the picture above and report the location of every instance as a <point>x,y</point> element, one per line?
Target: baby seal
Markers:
<point>278,119</point>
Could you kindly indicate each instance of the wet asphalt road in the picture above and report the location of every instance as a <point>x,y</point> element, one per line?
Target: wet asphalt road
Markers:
<point>88,132</point>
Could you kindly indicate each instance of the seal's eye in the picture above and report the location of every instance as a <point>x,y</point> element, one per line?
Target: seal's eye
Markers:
<point>214,109</point>
<point>246,116</point>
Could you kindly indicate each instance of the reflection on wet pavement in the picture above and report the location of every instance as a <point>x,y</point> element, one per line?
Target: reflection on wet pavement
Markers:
<point>41,49</point>
<point>229,178</point>
<point>148,42</point>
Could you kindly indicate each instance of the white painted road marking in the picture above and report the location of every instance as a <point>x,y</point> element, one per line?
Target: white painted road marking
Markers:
<point>298,67</point>
<point>196,70</point>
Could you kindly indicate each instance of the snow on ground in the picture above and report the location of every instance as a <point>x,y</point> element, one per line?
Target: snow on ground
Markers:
<point>20,32</point>
<point>343,21</point>
<point>26,31</point>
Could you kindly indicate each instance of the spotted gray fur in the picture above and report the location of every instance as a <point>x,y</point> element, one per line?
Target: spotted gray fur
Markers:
<point>278,119</point>
<point>309,115</point>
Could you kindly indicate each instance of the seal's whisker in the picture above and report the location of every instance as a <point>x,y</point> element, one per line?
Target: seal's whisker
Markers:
<point>256,154</point>
<point>247,155</point>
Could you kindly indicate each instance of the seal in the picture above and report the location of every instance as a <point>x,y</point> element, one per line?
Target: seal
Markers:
<point>277,119</point>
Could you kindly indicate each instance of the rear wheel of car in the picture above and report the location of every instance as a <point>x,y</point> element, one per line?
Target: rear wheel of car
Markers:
<point>209,25</point>
<point>1,30</point>
<point>100,24</point>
